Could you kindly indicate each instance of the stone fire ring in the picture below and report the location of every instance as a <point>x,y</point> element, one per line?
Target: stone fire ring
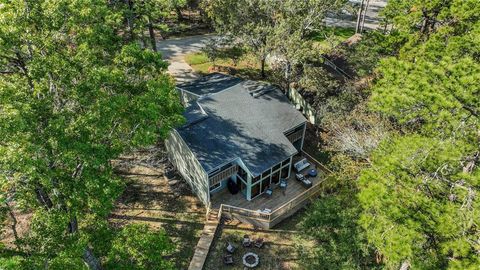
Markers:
<point>255,261</point>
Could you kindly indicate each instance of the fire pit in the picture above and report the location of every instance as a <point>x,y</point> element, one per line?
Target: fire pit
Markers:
<point>250,260</point>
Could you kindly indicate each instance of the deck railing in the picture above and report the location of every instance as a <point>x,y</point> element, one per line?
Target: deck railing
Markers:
<point>282,210</point>
<point>317,163</point>
<point>272,216</point>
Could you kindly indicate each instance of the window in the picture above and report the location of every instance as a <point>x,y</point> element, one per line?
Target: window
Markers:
<point>255,190</point>
<point>217,185</point>
<point>285,172</point>
<point>276,177</point>
<point>265,184</point>
<point>265,173</point>
<point>286,161</point>
<point>214,172</point>
<point>242,173</point>
<point>276,167</point>
<point>256,179</point>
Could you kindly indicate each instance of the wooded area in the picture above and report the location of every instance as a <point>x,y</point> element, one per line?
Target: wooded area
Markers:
<point>81,83</point>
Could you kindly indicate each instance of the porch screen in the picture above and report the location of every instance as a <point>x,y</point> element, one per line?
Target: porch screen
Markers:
<point>215,179</point>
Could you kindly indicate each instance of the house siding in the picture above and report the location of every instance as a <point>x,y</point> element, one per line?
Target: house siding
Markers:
<point>187,164</point>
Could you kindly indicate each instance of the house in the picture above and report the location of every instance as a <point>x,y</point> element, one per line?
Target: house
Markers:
<point>236,130</point>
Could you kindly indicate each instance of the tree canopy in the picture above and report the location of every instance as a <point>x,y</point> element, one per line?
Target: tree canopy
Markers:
<point>73,96</point>
<point>419,196</point>
<point>417,185</point>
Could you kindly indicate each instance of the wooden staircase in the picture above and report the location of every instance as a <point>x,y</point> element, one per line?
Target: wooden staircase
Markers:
<point>205,241</point>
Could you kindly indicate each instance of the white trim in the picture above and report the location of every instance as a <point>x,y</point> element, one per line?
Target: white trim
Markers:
<point>303,136</point>
<point>183,90</point>
<point>288,130</point>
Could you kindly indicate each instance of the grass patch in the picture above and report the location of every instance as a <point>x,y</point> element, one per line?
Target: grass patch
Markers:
<point>247,67</point>
<point>340,33</point>
<point>331,37</point>
<point>196,59</point>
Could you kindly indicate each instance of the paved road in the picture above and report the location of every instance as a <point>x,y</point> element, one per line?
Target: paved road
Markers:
<point>174,50</point>
<point>371,19</point>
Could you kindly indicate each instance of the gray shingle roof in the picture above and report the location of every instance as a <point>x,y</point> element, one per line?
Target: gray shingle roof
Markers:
<point>243,122</point>
<point>210,84</point>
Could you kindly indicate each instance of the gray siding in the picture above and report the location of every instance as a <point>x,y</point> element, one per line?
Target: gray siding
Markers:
<point>187,164</point>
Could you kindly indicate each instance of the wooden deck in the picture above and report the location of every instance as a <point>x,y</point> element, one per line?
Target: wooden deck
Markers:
<point>278,198</point>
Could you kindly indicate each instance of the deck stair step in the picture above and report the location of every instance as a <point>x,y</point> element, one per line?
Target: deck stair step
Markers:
<point>205,241</point>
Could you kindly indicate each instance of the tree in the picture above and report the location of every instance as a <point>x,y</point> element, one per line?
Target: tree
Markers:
<point>277,28</point>
<point>420,204</point>
<point>73,97</point>
<point>295,23</point>
<point>144,15</point>
<point>418,198</point>
<point>249,21</point>
<point>137,247</point>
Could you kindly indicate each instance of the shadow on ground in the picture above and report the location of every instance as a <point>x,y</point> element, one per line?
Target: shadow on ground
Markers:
<point>162,202</point>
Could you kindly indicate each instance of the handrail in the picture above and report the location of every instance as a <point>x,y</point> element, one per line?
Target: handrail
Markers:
<point>294,202</point>
<point>317,162</point>
<point>269,217</point>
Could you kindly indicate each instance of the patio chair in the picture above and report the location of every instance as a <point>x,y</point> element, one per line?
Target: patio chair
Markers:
<point>230,248</point>
<point>269,192</point>
<point>228,259</point>
<point>259,242</point>
<point>246,241</point>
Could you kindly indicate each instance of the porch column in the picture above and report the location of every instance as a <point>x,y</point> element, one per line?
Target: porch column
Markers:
<point>290,166</point>
<point>249,187</point>
<point>303,136</point>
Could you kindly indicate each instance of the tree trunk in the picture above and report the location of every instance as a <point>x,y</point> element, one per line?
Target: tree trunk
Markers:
<point>130,20</point>
<point>144,41</point>
<point>151,31</point>
<point>179,13</point>
<point>14,223</point>
<point>262,63</point>
<point>43,197</point>
<point>90,259</point>
<point>359,17</point>
<point>405,265</point>
<point>288,67</point>
<point>364,15</point>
